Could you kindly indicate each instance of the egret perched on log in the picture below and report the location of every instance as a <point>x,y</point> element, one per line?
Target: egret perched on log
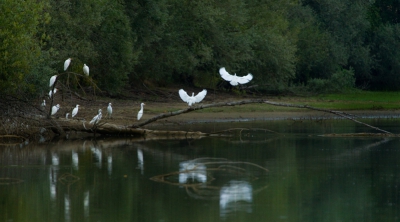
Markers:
<point>75,111</point>
<point>109,110</point>
<point>66,63</point>
<point>191,100</point>
<point>233,79</point>
<point>86,69</point>
<point>54,109</point>
<point>140,113</point>
<point>52,80</point>
<point>96,118</point>
<point>51,92</point>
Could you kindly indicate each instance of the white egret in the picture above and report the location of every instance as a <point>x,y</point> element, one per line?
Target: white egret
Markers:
<point>52,80</point>
<point>233,79</point>
<point>66,116</point>
<point>51,92</point>
<point>66,63</point>
<point>86,69</point>
<point>43,105</point>
<point>75,111</point>
<point>109,110</point>
<point>54,109</point>
<point>140,113</point>
<point>96,118</point>
<point>191,100</point>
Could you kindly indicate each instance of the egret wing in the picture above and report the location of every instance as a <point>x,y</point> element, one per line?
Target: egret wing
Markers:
<point>245,79</point>
<point>184,96</point>
<point>225,75</point>
<point>200,96</point>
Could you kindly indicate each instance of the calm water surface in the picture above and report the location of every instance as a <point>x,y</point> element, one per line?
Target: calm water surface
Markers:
<point>287,173</point>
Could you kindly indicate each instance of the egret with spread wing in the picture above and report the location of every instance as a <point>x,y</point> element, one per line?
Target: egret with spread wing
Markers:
<point>233,79</point>
<point>191,100</point>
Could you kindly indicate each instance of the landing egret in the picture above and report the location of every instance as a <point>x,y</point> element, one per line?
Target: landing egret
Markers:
<point>86,69</point>
<point>66,116</point>
<point>52,80</point>
<point>75,111</point>
<point>233,79</point>
<point>191,100</point>
<point>54,109</point>
<point>140,113</point>
<point>96,118</point>
<point>109,110</point>
<point>66,63</point>
<point>51,92</point>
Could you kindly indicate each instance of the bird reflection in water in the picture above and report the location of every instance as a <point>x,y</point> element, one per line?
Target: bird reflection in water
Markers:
<point>97,156</point>
<point>236,196</point>
<point>53,175</point>
<point>193,171</point>
<point>75,160</point>
<point>140,160</point>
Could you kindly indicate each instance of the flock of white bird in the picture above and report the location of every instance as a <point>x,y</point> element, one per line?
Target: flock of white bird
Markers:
<point>190,100</point>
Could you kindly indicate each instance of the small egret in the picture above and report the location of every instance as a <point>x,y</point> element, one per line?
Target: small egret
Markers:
<point>75,111</point>
<point>86,69</point>
<point>109,110</point>
<point>51,93</point>
<point>96,118</point>
<point>54,109</point>
<point>43,105</point>
<point>66,116</point>
<point>52,80</point>
<point>66,63</point>
<point>140,113</point>
<point>233,79</point>
<point>191,100</point>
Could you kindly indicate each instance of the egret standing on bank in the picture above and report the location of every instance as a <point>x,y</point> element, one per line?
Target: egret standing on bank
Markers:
<point>66,63</point>
<point>109,110</point>
<point>66,116</point>
<point>51,92</point>
<point>43,105</point>
<point>86,69</point>
<point>140,113</point>
<point>233,79</point>
<point>54,109</point>
<point>75,111</point>
<point>52,80</point>
<point>191,100</point>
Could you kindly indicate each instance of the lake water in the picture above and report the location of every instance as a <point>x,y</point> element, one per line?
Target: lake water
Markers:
<point>265,171</point>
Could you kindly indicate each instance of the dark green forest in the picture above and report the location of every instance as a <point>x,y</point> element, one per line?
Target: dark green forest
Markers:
<point>316,45</point>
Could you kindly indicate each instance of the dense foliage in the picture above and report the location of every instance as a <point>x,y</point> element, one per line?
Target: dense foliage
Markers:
<point>319,45</point>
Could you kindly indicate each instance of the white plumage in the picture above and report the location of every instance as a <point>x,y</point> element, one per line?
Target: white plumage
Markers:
<point>54,109</point>
<point>66,63</point>
<point>66,116</point>
<point>51,93</point>
<point>75,111</point>
<point>86,69</point>
<point>140,113</point>
<point>43,104</point>
<point>96,118</point>
<point>233,79</point>
<point>191,100</point>
<point>109,110</point>
<point>52,80</point>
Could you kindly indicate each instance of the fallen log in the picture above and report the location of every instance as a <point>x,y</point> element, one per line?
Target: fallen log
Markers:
<point>69,125</point>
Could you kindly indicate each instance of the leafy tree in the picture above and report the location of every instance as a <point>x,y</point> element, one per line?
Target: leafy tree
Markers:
<point>20,46</point>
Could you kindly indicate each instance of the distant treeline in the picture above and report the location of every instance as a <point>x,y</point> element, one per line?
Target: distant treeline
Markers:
<point>314,44</point>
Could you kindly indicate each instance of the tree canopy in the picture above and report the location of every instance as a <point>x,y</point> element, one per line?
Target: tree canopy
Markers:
<point>284,43</point>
